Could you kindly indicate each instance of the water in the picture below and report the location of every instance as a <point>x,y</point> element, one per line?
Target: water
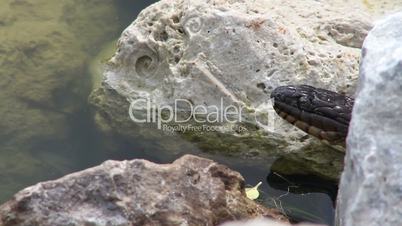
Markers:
<point>37,148</point>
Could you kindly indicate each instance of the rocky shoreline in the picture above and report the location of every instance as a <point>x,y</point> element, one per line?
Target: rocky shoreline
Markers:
<point>218,53</point>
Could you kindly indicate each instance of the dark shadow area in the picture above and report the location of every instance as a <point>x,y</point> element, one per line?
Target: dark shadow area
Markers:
<point>306,197</point>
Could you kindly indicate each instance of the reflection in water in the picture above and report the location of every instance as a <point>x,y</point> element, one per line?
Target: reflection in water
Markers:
<point>301,197</point>
<point>302,184</point>
<point>305,197</point>
<point>66,139</point>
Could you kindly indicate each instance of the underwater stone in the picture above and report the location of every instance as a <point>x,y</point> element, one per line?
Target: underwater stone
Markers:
<point>44,49</point>
<point>370,190</point>
<point>190,191</point>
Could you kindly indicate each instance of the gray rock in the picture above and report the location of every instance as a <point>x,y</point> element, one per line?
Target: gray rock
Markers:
<point>237,52</point>
<point>371,185</point>
<point>190,191</point>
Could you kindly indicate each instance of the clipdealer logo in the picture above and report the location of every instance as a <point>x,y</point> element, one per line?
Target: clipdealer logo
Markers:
<point>183,111</point>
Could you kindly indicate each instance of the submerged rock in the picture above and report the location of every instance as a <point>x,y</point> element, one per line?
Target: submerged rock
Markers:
<point>46,51</point>
<point>370,190</point>
<point>190,191</point>
<point>234,52</point>
<point>44,48</point>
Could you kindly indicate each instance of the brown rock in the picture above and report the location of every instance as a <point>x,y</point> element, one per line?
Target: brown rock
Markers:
<point>190,191</point>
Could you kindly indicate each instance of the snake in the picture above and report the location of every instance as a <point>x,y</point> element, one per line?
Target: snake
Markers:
<point>321,113</point>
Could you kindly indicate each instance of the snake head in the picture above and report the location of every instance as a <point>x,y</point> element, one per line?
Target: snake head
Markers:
<point>319,112</point>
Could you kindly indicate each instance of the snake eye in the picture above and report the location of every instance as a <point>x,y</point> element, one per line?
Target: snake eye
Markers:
<point>304,102</point>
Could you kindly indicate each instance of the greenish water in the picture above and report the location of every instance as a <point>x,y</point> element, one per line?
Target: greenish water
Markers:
<point>47,128</point>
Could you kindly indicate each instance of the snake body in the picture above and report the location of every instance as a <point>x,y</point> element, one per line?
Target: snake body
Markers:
<point>319,112</point>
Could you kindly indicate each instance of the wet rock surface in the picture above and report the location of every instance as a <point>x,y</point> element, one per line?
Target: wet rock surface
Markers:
<point>370,189</point>
<point>190,191</point>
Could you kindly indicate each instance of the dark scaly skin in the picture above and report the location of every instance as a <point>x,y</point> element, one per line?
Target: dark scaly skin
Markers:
<point>319,112</point>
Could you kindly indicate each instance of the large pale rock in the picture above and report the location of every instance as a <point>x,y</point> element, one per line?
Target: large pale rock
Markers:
<point>237,51</point>
<point>370,191</point>
<point>190,191</point>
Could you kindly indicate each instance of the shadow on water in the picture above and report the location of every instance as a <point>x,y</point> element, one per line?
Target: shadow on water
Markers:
<point>306,197</point>
<point>85,146</point>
